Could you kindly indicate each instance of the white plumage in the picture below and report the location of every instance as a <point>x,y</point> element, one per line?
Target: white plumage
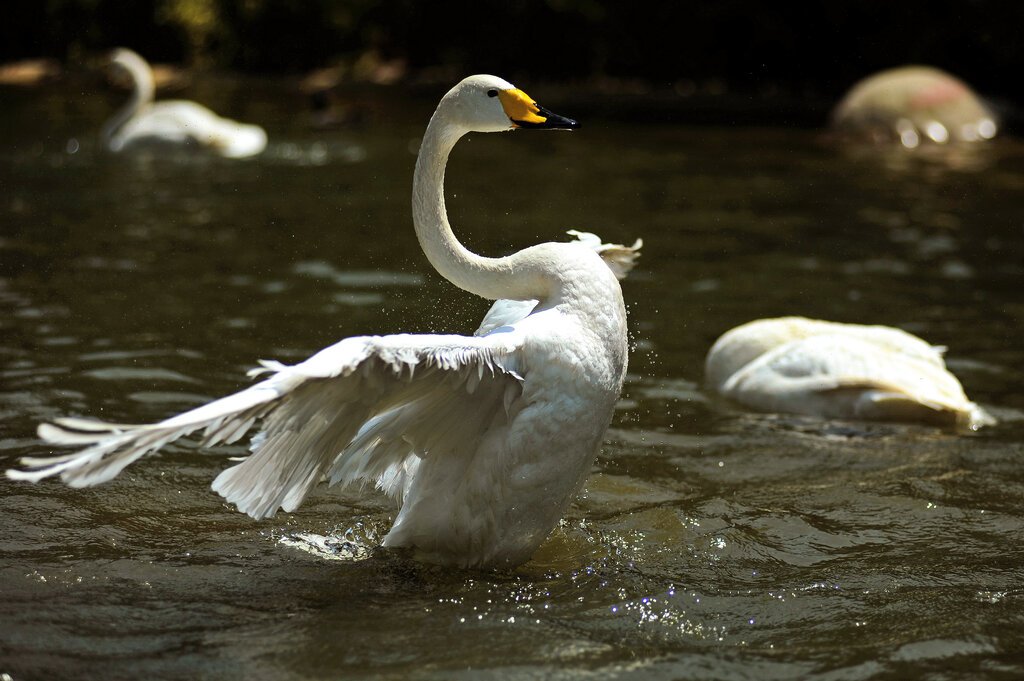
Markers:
<point>833,370</point>
<point>483,440</point>
<point>143,122</point>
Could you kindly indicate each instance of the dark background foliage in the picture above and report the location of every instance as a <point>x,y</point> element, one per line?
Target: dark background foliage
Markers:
<point>819,48</point>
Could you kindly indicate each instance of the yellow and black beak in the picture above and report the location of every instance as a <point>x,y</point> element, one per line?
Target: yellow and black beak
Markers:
<point>524,112</point>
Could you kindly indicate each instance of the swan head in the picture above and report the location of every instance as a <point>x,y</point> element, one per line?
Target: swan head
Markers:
<point>491,104</point>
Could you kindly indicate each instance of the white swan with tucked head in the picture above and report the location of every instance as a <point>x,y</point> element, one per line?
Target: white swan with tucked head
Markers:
<point>833,370</point>
<point>173,122</point>
<point>483,440</point>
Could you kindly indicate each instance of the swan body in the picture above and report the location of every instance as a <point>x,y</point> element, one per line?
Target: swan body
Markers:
<point>914,105</point>
<point>173,122</point>
<point>482,440</point>
<point>833,370</point>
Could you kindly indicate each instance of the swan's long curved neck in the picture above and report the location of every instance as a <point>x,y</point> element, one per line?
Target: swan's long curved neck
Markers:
<point>520,276</point>
<point>143,89</point>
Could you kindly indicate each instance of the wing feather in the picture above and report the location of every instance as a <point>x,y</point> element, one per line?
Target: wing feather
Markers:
<point>363,408</point>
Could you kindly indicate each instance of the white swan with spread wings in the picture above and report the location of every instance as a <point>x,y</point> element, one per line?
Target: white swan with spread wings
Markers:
<point>173,122</point>
<point>483,440</point>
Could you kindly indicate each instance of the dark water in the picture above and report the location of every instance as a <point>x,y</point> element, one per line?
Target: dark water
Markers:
<point>710,543</point>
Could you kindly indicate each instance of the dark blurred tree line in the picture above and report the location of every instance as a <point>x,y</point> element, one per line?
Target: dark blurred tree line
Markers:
<point>822,46</point>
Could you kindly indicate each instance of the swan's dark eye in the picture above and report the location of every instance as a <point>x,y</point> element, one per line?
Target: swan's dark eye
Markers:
<point>492,93</point>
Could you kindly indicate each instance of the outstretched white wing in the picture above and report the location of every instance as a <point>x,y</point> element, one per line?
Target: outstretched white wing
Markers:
<point>364,408</point>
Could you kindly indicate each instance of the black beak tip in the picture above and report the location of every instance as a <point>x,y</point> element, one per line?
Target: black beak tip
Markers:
<point>552,121</point>
<point>556,122</point>
<point>570,124</point>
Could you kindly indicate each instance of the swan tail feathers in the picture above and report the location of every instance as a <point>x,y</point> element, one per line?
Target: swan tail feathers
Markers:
<point>620,259</point>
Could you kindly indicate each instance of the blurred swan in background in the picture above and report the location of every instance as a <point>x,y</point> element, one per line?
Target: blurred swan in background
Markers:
<point>914,105</point>
<point>833,370</point>
<point>482,440</point>
<point>173,122</point>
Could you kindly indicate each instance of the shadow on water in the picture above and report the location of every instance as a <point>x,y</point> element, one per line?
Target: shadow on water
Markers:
<point>709,542</point>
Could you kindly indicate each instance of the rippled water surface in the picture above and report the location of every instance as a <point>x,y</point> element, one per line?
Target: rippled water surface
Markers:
<point>710,542</point>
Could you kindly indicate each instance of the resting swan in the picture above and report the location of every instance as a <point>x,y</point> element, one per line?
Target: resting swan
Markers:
<point>833,370</point>
<point>173,122</point>
<point>914,105</point>
<point>483,440</point>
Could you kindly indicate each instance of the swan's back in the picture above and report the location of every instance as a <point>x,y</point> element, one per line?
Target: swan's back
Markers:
<point>912,105</point>
<point>834,370</point>
<point>620,260</point>
<point>745,343</point>
<point>182,123</point>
